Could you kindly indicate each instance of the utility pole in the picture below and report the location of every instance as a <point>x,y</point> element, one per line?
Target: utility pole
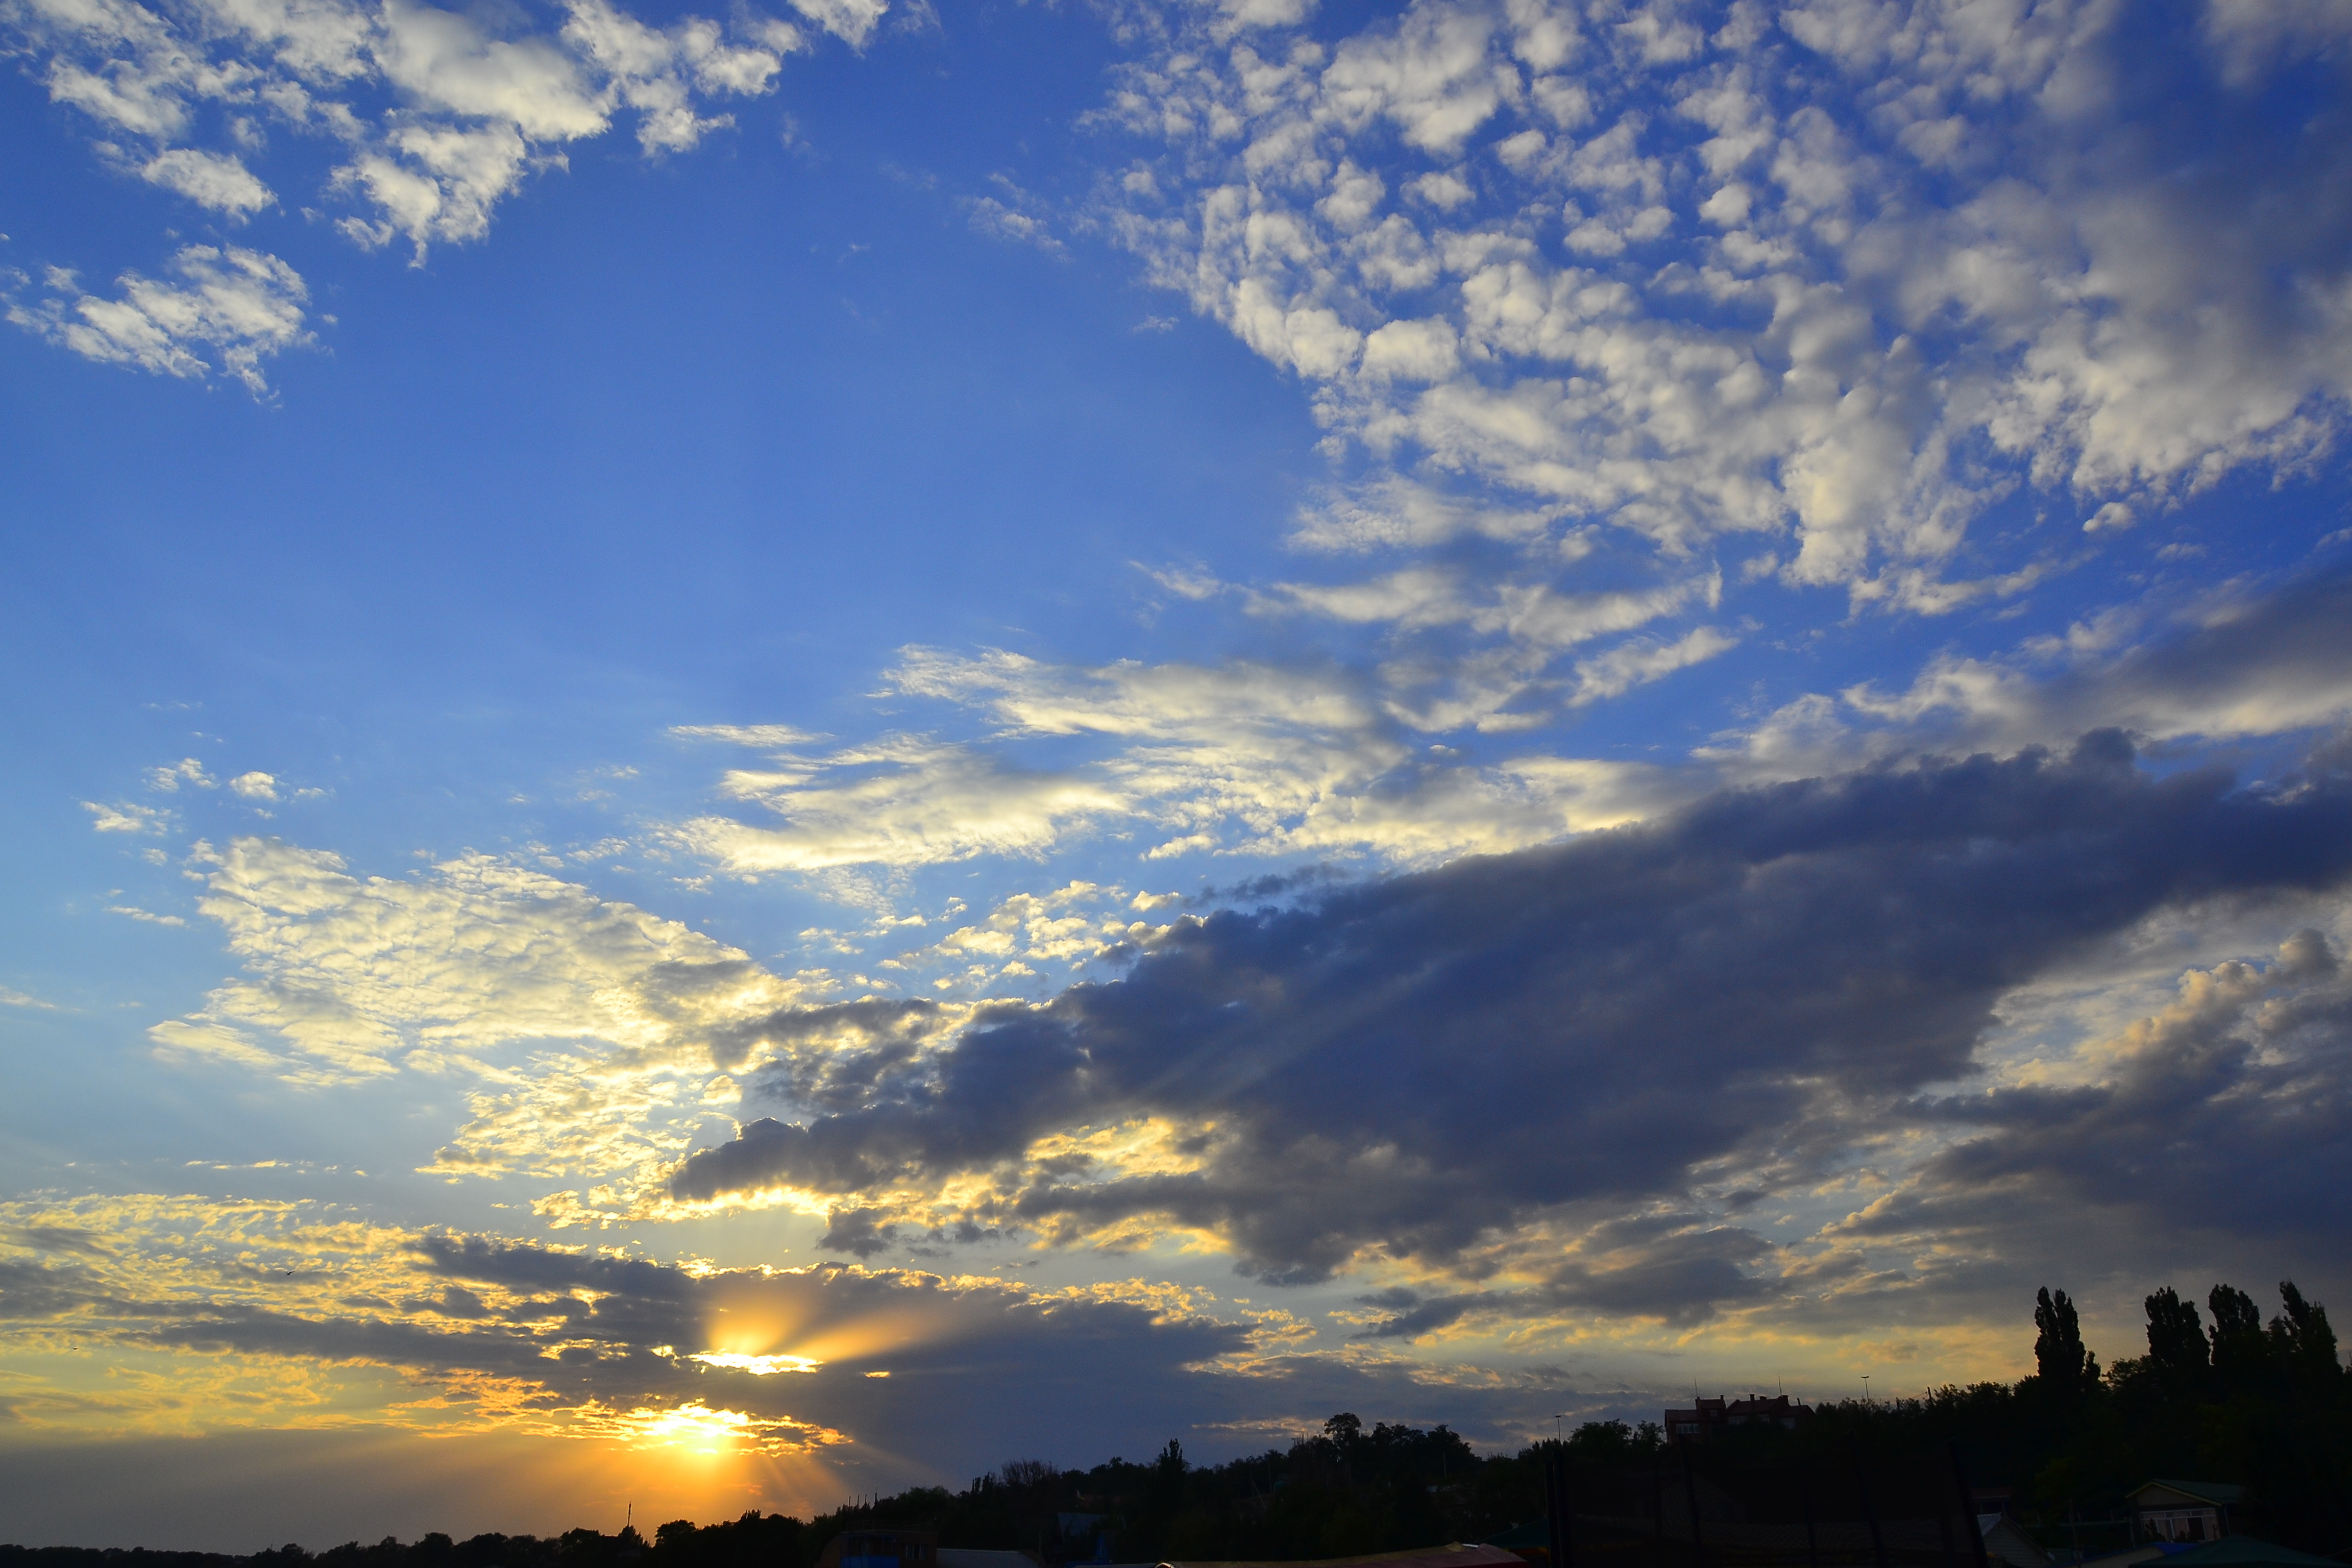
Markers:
<point>1555,1506</point>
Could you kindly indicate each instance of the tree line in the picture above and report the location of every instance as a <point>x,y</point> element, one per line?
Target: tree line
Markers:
<point>2264,1404</point>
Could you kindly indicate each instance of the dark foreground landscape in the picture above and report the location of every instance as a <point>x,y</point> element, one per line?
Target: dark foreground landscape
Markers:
<point>2264,1408</point>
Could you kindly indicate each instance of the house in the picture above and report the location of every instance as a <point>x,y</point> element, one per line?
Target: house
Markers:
<point>2183,1510</point>
<point>977,1557</point>
<point>1530,1542</point>
<point>881,1549</point>
<point>1710,1416</point>
<point>2005,1541</point>
<point>1456,1556</point>
<point>2245,1552</point>
<point>2132,1556</point>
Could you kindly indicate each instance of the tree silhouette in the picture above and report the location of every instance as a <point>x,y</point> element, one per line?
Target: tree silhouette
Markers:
<point>2239,1351</point>
<point>2176,1340</point>
<point>2067,1366</point>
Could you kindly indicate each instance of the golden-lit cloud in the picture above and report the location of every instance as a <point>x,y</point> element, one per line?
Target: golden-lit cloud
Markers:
<point>757,1365</point>
<point>155,1314</point>
<point>586,1030</point>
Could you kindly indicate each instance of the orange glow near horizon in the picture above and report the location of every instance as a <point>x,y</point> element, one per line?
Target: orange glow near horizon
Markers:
<point>696,1461</point>
<point>239,1489</point>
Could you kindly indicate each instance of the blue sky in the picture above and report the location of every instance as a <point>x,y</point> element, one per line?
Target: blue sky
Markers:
<point>1450,709</point>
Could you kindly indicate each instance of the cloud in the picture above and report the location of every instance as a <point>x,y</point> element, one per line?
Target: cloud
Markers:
<point>1853,278</point>
<point>756,735</point>
<point>1798,992</point>
<point>992,218</point>
<point>1016,218</point>
<point>529,83</point>
<point>256,786</point>
<point>1257,759</point>
<point>2228,665</point>
<point>851,21</point>
<point>440,114</point>
<point>1489,1065</point>
<point>564,1343</point>
<point>2250,1057</point>
<point>1232,760</point>
<point>2255,35</point>
<point>1392,510</point>
<point>125,817</point>
<point>1066,926</point>
<point>584,1029</point>
<point>216,180</point>
<point>188,770</point>
<point>229,309</point>
<point>1629,665</point>
<point>901,802</point>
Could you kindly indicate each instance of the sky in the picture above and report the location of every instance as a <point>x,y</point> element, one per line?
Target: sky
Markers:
<point>763,754</point>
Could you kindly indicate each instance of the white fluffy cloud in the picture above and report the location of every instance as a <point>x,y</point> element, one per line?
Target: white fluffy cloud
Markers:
<point>223,309</point>
<point>439,113</point>
<point>851,21</point>
<point>125,817</point>
<point>1693,273</point>
<point>217,181</point>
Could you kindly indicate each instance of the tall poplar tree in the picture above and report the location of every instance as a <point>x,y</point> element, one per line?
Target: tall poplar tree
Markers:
<point>2067,1366</point>
<point>2303,1346</point>
<point>2241,1354</point>
<point>2176,1340</point>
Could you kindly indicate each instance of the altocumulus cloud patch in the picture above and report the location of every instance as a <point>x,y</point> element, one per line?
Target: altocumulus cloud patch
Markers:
<point>1824,286</point>
<point>435,117</point>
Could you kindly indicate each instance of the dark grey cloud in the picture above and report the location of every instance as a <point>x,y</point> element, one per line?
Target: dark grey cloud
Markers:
<point>30,1292</point>
<point>1420,1066</point>
<point>972,1365</point>
<point>2290,653</point>
<point>823,1056</point>
<point>1677,1266</point>
<point>2228,664</point>
<point>53,1238</point>
<point>2223,1135</point>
